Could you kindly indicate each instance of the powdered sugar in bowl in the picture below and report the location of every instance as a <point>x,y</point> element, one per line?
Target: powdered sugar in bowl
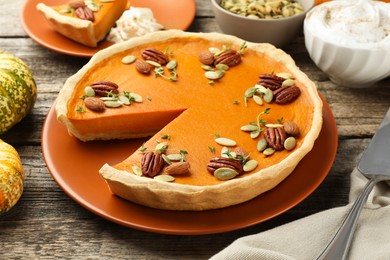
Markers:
<point>350,41</point>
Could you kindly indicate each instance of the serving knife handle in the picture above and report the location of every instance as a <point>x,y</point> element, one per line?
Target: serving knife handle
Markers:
<point>338,247</point>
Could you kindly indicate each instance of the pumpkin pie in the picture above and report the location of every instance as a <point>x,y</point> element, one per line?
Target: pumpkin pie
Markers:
<point>86,22</point>
<point>227,119</point>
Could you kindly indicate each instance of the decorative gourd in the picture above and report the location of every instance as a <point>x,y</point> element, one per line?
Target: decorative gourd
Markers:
<point>11,177</point>
<point>18,91</point>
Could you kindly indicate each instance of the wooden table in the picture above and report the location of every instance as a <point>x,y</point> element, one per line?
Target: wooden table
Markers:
<point>46,223</point>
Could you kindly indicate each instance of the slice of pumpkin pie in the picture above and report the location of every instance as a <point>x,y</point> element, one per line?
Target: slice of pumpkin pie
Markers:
<point>86,22</point>
<point>227,120</point>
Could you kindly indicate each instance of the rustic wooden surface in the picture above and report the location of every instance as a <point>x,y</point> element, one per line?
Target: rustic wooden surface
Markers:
<point>46,223</point>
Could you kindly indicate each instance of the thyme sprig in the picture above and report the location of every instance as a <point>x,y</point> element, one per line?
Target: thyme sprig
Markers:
<point>237,157</point>
<point>159,71</point>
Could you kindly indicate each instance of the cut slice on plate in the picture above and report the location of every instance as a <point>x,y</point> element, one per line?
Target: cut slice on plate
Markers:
<point>84,22</point>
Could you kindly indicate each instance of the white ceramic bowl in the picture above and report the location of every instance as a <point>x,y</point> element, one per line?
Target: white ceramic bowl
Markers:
<point>346,65</point>
<point>278,32</point>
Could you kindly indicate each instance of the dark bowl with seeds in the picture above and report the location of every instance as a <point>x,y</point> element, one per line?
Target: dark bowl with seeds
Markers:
<point>277,22</point>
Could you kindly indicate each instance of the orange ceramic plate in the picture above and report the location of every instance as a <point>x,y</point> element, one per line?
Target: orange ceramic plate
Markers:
<point>74,166</point>
<point>173,14</point>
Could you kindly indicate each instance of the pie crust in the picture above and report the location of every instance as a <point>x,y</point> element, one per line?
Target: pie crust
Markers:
<point>84,31</point>
<point>198,190</point>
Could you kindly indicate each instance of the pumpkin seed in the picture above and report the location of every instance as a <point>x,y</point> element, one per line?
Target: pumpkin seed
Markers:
<point>109,98</point>
<point>221,72</point>
<point>137,97</point>
<point>124,100</point>
<point>250,92</point>
<point>225,173</point>
<point>274,125</point>
<point>166,159</point>
<point>164,177</point>
<point>153,63</point>
<point>161,147</point>
<point>225,141</point>
<point>268,96</point>
<point>263,8</point>
<point>88,90</point>
<point>64,11</point>
<point>171,64</point>
<point>269,151</point>
<point>112,104</point>
<point>207,67</point>
<point>91,5</point>
<point>288,82</point>
<point>174,157</point>
<point>213,75</point>
<point>227,153</point>
<point>290,143</point>
<point>250,165</point>
<point>222,67</point>
<point>128,59</point>
<point>224,151</point>
<point>261,145</point>
<point>214,50</point>
<point>285,75</point>
<point>260,89</point>
<point>255,134</point>
<point>220,52</point>
<point>137,170</point>
<point>249,128</point>
<point>258,100</point>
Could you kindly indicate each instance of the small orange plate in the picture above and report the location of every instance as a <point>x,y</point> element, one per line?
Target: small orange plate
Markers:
<point>74,165</point>
<point>173,14</point>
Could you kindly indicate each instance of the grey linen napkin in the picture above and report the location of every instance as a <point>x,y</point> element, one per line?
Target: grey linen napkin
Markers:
<point>307,237</point>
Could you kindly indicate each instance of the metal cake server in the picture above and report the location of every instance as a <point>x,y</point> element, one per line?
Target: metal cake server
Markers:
<point>375,166</point>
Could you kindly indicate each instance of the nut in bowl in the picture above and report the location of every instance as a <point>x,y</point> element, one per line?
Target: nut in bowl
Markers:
<point>349,41</point>
<point>263,21</point>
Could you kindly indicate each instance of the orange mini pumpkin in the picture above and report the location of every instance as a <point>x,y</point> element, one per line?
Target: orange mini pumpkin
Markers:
<point>11,177</point>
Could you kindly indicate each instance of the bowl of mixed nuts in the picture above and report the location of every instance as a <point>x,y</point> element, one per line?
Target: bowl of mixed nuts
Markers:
<point>277,22</point>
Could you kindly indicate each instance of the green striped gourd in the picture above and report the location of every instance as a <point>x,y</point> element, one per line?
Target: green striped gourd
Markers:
<point>18,91</point>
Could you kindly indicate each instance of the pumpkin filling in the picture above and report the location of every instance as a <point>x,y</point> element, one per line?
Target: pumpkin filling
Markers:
<point>210,108</point>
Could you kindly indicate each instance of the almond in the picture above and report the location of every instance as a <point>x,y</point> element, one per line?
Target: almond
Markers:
<point>291,128</point>
<point>177,168</point>
<point>76,3</point>
<point>95,104</point>
<point>206,58</point>
<point>241,151</point>
<point>142,66</point>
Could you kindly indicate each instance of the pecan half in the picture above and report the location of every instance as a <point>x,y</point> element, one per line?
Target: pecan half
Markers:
<point>275,137</point>
<point>230,58</point>
<point>85,13</point>
<point>206,58</point>
<point>270,81</point>
<point>103,87</point>
<point>221,162</point>
<point>155,55</point>
<point>143,67</point>
<point>152,164</point>
<point>76,3</point>
<point>286,94</point>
